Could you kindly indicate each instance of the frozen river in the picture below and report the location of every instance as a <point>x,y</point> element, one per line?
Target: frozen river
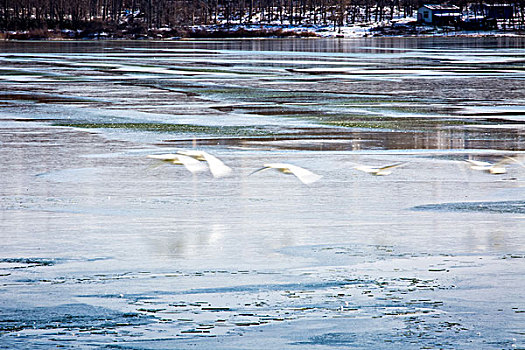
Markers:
<point>103,247</point>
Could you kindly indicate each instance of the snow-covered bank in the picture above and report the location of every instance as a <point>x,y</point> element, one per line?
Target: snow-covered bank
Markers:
<point>400,27</point>
<point>396,28</point>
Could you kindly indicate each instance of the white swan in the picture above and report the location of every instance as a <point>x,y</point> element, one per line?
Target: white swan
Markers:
<point>217,167</point>
<point>305,176</point>
<point>190,163</point>
<point>492,168</point>
<point>378,170</point>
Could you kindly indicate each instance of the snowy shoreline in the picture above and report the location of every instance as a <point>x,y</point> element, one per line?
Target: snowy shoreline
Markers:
<point>375,29</point>
<point>400,28</point>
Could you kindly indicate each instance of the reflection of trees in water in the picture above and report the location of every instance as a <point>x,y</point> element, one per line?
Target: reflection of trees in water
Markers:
<point>438,139</point>
<point>193,241</point>
<point>488,238</point>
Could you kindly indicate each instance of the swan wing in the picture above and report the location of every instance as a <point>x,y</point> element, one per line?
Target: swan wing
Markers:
<point>515,160</point>
<point>305,176</point>
<point>478,163</point>
<point>217,167</point>
<point>507,160</point>
<point>391,166</point>
<point>199,155</point>
<point>190,163</point>
<point>366,168</point>
<point>167,157</point>
<point>260,169</point>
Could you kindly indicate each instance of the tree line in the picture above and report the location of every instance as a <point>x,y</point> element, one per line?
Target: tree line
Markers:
<point>156,14</point>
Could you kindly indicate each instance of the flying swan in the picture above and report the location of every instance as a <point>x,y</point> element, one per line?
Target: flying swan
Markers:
<point>190,163</point>
<point>492,168</point>
<point>305,176</point>
<point>378,170</point>
<point>217,167</point>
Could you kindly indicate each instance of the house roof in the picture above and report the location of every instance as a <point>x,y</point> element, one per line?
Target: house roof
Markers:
<point>451,8</point>
<point>498,5</point>
<point>447,14</point>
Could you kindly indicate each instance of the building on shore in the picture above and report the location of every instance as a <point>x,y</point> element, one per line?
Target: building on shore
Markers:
<point>498,11</point>
<point>439,15</point>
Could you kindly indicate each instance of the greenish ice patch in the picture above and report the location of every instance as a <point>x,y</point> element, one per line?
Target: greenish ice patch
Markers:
<point>381,122</point>
<point>173,128</point>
